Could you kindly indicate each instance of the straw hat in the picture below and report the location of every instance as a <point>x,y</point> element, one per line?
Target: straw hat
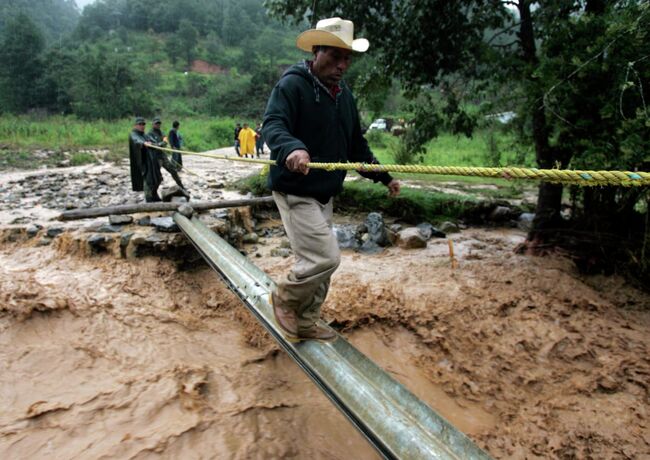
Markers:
<point>332,32</point>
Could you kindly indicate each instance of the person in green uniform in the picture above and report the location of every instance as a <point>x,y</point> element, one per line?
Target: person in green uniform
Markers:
<point>156,159</point>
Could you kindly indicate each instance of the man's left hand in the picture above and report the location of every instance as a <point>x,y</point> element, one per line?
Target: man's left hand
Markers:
<point>393,188</point>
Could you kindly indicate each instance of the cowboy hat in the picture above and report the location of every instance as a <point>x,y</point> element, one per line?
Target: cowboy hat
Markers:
<point>332,32</point>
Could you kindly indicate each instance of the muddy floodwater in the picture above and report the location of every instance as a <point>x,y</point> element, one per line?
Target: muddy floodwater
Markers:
<point>102,357</point>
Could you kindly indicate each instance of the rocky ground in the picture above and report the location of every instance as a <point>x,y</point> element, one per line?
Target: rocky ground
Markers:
<point>118,342</point>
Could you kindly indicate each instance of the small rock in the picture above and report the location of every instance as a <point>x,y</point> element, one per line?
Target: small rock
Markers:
<point>108,228</point>
<point>376,229</point>
<point>250,238</point>
<point>171,192</point>
<point>138,239</point>
<point>144,221</point>
<point>285,244</point>
<point>395,228</point>
<point>32,230</point>
<point>178,199</point>
<point>428,231</point>
<point>411,238</point>
<point>449,227</point>
<point>125,238</point>
<point>98,243</point>
<point>280,252</point>
<point>525,221</point>
<point>156,240</point>
<point>54,231</point>
<point>186,210</point>
<point>178,240</point>
<point>500,214</point>
<point>44,241</point>
<point>93,227</point>
<point>165,224</point>
<point>120,219</point>
<point>346,235</point>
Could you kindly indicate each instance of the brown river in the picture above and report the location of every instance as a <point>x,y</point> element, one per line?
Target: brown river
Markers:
<point>103,357</point>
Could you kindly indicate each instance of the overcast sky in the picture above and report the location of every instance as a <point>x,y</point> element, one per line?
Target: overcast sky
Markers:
<point>82,3</point>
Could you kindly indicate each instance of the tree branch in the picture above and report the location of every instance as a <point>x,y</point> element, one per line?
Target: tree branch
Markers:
<point>501,32</point>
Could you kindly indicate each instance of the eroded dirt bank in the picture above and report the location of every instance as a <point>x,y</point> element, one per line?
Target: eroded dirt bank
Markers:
<point>133,359</point>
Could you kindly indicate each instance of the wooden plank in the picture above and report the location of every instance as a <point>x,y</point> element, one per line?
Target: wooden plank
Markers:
<point>157,207</point>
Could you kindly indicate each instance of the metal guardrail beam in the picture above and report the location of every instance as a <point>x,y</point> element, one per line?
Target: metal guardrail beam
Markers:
<point>391,418</point>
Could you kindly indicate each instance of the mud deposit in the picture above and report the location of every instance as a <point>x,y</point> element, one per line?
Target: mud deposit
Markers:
<point>102,357</point>
<point>108,358</point>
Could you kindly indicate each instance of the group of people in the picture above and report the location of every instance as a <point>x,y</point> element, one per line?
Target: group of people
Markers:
<point>249,141</point>
<point>146,160</point>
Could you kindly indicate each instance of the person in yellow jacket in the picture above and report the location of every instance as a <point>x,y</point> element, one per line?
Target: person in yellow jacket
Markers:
<point>246,141</point>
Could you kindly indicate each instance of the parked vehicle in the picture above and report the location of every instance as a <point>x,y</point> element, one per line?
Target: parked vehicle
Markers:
<point>381,124</point>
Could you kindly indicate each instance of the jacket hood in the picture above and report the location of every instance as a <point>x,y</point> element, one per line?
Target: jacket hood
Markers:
<point>302,69</point>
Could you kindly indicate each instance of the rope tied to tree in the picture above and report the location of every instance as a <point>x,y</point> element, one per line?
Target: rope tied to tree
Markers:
<point>557,176</point>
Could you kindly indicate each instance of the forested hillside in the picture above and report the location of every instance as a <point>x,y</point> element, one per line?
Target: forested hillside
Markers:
<point>55,18</point>
<point>124,57</point>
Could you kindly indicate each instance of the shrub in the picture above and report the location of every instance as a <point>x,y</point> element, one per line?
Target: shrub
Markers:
<point>82,158</point>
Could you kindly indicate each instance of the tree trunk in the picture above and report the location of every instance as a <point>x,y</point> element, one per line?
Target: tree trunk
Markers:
<point>547,215</point>
<point>156,207</point>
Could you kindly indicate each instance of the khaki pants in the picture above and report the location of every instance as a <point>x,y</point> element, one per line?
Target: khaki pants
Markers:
<point>308,224</point>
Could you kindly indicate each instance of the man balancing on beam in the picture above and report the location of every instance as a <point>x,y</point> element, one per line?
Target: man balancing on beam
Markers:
<point>311,116</point>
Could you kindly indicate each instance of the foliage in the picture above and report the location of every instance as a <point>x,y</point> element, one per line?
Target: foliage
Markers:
<point>54,18</point>
<point>255,184</point>
<point>69,132</point>
<point>109,88</point>
<point>20,71</point>
<point>82,158</point>
<point>412,205</point>
<point>376,138</point>
<point>187,37</point>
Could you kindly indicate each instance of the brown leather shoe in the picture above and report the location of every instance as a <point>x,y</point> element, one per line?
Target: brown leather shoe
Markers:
<point>285,317</point>
<point>317,332</point>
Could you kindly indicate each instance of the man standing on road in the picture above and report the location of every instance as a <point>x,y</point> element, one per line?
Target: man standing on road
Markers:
<point>311,116</point>
<point>237,130</point>
<point>137,153</point>
<point>259,140</point>
<point>174,138</point>
<point>156,159</point>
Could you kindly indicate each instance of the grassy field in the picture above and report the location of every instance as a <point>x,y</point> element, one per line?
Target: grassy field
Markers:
<point>22,133</point>
<point>22,137</point>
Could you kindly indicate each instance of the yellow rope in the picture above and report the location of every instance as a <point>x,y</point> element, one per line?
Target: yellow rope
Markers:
<point>558,176</point>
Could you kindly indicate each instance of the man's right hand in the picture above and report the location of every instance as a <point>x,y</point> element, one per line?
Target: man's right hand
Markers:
<point>297,161</point>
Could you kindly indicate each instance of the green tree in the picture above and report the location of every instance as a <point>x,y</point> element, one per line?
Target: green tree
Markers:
<point>187,37</point>
<point>109,87</point>
<point>54,18</point>
<point>564,61</point>
<point>21,69</point>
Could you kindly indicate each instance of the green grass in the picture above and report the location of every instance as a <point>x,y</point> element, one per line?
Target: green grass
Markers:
<point>82,158</point>
<point>485,148</point>
<point>24,133</point>
<point>22,159</point>
<point>412,205</point>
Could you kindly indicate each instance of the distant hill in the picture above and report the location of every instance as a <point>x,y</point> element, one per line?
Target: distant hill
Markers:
<point>55,18</point>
